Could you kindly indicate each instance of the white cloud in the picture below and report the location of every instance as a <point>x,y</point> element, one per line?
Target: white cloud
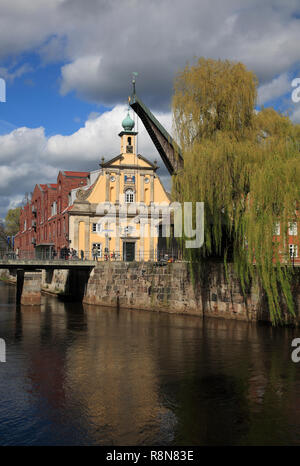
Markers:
<point>21,144</point>
<point>274,89</point>
<point>100,43</point>
<point>28,157</point>
<point>104,41</point>
<point>99,137</point>
<point>10,74</point>
<point>24,25</point>
<point>81,75</point>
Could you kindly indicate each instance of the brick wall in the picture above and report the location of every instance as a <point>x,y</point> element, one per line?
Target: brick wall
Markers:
<point>41,226</point>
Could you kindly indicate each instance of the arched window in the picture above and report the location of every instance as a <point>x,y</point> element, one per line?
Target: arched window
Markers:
<point>129,147</point>
<point>129,195</point>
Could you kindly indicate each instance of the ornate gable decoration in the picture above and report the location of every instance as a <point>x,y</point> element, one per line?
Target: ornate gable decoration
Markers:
<point>129,179</point>
<point>82,194</point>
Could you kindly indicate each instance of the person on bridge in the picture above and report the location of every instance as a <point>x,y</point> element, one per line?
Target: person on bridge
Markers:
<point>74,254</point>
<point>95,253</point>
<point>63,253</point>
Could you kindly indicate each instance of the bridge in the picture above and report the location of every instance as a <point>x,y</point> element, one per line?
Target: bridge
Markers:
<point>48,264</point>
<point>28,273</point>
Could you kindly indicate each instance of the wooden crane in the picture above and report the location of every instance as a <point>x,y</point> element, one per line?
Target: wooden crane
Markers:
<point>168,149</point>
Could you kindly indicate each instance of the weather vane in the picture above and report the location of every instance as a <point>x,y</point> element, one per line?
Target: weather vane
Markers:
<point>134,74</point>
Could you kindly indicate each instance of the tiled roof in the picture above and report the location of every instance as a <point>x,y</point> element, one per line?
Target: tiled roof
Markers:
<point>77,174</point>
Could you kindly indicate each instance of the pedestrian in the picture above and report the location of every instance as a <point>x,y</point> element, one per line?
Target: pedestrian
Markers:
<point>64,253</point>
<point>81,255</point>
<point>95,253</point>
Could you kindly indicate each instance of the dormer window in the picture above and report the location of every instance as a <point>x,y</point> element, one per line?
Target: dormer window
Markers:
<point>129,195</point>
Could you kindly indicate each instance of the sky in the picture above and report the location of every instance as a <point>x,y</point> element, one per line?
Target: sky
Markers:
<point>68,64</point>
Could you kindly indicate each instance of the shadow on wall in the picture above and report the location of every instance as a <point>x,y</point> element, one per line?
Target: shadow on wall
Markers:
<point>76,285</point>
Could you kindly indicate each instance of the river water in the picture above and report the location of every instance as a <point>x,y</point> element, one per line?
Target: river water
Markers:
<point>84,375</point>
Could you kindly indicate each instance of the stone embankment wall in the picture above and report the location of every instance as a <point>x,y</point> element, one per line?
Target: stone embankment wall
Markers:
<point>142,285</point>
<point>55,281</point>
<point>7,277</point>
<point>169,288</point>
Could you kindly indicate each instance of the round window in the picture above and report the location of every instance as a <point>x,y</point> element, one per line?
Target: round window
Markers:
<point>147,180</point>
<point>112,178</point>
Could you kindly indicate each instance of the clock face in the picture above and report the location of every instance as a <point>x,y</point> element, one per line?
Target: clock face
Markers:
<point>146,180</point>
<point>112,178</point>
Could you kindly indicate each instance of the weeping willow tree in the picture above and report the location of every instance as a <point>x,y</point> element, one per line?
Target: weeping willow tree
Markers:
<point>245,166</point>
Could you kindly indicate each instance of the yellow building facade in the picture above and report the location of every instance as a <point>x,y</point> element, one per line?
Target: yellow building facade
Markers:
<point>116,216</point>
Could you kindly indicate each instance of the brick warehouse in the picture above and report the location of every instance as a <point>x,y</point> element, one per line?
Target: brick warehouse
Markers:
<point>44,223</point>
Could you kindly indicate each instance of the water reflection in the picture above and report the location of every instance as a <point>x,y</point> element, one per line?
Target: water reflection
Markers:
<point>83,375</point>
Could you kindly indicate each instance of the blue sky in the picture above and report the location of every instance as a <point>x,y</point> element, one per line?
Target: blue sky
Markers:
<point>34,100</point>
<point>68,65</point>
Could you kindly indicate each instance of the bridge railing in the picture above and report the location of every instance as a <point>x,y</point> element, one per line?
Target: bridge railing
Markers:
<point>154,255</point>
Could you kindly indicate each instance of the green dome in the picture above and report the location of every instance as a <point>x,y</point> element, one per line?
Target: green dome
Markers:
<point>128,123</point>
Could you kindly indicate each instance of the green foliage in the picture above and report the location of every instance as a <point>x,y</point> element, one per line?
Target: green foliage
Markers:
<point>2,235</point>
<point>12,221</point>
<point>245,166</point>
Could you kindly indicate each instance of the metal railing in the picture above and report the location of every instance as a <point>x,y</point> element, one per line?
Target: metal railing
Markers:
<point>155,255</point>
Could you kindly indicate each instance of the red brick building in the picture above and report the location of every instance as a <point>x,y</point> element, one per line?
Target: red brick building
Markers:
<point>292,242</point>
<point>44,222</point>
